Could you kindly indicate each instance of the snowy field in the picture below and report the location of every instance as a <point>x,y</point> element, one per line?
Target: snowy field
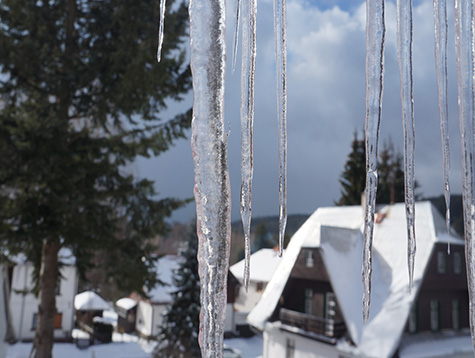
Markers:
<point>126,346</point>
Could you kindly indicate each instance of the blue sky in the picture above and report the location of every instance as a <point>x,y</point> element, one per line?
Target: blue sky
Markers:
<point>326,52</point>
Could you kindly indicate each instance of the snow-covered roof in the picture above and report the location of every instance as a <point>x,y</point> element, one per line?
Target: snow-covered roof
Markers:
<point>90,301</point>
<point>337,231</point>
<point>440,344</point>
<point>263,264</point>
<point>165,267</point>
<point>126,303</point>
<point>65,256</point>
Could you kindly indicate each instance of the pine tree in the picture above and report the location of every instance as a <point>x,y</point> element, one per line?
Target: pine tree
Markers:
<point>352,179</point>
<point>390,175</point>
<point>80,98</point>
<point>180,327</point>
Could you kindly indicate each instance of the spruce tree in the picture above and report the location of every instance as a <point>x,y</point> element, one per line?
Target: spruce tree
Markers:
<point>81,96</point>
<point>352,179</point>
<point>390,175</point>
<point>179,333</point>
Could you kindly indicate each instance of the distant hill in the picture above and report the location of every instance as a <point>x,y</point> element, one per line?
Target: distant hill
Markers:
<point>272,226</point>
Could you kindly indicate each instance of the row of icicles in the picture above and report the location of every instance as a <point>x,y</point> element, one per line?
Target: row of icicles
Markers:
<point>212,193</point>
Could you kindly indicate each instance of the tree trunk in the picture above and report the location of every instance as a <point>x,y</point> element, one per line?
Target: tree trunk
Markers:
<point>43,343</point>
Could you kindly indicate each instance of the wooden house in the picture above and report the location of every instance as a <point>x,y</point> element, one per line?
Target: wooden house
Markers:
<point>313,304</point>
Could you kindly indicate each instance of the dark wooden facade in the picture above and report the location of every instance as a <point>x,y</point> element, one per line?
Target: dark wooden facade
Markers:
<point>296,308</point>
<point>445,288</point>
<point>441,304</point>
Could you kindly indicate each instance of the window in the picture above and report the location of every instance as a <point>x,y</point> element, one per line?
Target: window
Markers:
<point>457,262</point>
<point>290,348</point>
<point>441,264</point>
<point>308,301</point>
<point>260,286</point>
<point>434,315</point>
<point>309,261</point>
<point>58,287</point>
<point>455,314</point>
<point>57,321</point>
<point>412,321</point>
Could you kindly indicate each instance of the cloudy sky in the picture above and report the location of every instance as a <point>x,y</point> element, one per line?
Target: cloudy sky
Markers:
<point>326,57</point>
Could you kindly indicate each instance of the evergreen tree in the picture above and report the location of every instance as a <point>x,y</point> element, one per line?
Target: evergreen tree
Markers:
<point>390,175</point>
<point>80,98</point>
<point>352,179</point>
<point>180,327</point>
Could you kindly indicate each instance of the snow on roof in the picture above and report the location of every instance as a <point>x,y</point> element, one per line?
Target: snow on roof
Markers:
<point>263,264</point>
<point>90,301</point>
<point>337,231</point>
<point>126,303</point>
<point>165,267</point>
<point>65,256</point>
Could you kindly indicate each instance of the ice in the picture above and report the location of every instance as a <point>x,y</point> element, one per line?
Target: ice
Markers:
<point>375,34</point>
<point>160,29</point>
<point>280,39</point>
<point>404,45</point>
<point>464,58</point>
<point>237,20</point>
<point>209,146</point>
<point>440,33</point>
<point>248,70</point>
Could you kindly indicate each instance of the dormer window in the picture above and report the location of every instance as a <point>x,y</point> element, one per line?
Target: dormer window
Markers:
<point>309,261</point>
<point>441,262</point>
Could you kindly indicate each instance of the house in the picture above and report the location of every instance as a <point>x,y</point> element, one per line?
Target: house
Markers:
<point>263,264</point>
<point>149,316</point>
<point>24,304</point>
<point>126,309</point>
<point>313,303</point>
<point>89,305</point>
<point>150,311</point>
<point>6,330</point>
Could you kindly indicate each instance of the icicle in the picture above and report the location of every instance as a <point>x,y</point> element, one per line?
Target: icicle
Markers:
<point>248,69</point>
<point>404,44</point>
<point>236,32</point>
<point>375,33</point>
<point>160,29</point>
<point>209,145</point>
<point>280,37</point>
<point>440,33</point>
<point>464,56</point>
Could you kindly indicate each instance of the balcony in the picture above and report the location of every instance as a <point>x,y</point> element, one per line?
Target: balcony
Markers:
<point>312,324</point>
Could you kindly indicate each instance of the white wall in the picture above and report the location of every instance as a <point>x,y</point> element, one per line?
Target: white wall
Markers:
<point>245,302</point>
<point>149,318</point>
<point>275,342</point>
<point>3,318</point>
<point>229,322</point>
<point>24,307</point>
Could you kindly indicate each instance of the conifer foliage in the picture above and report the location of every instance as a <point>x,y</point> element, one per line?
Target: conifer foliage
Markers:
<point>390,175</point>
<point>81,96</point>
<point>179,334</point>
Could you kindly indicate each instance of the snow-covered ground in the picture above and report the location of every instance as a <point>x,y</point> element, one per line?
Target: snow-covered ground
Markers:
<point>127,346</point>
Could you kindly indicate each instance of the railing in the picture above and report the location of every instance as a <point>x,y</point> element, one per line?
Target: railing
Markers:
<point>309,323</point>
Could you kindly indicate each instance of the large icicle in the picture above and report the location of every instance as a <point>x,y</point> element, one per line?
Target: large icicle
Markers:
<point>440,33</point>
<point>236,31</point>
<point>404,45</point>
<point>464,55</point>
<point>248,70</point>
<point>161,29</point>
<point>280,37</point>
<point>209,145</point>
<point>375,34</point>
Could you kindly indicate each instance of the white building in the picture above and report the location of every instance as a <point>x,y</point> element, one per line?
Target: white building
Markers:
<point>263,264</point>
<point>312,306</point>
<point>150,312</point>
<point>24,304</point>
